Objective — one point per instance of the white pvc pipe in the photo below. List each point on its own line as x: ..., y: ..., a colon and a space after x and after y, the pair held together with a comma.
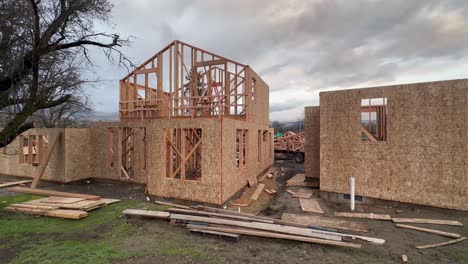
x: 351, y: 181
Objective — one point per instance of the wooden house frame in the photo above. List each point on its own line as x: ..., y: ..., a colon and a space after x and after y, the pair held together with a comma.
x: 193, y: 125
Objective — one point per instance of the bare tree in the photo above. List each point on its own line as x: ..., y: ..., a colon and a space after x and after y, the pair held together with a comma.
x: 41, y: 43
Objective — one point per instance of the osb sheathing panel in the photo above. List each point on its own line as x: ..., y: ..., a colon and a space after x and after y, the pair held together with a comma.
x: 312, y: 141
x: 79, y: 154
x: 234, y: 179
x: 258, y: 109
x: 10, y: 157
x: 423, y: 161
x: 99, y: 132
x: 208, y: 189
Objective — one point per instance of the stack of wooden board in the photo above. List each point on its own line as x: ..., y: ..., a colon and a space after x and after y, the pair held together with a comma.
x: 62, y: 207
x: 223, y: 222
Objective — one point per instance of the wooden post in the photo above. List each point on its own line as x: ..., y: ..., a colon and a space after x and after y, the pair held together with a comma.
x: 183, y: 152
x: 40, y: 171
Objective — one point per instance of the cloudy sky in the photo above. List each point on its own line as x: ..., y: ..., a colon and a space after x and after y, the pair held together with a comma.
x: 300, y: 47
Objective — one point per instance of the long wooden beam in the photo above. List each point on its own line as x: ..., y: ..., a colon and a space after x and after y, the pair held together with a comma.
x: 44, y: 192
x: 40, y: 171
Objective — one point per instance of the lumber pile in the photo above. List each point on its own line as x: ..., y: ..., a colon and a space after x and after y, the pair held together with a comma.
x: 290, y: 141
x: 231, y: 224
x: 61, y: 207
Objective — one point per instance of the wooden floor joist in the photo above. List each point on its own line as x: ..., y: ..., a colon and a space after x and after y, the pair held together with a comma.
x: 432, y: 231
x: 243, y: 231
x: 44, y: 192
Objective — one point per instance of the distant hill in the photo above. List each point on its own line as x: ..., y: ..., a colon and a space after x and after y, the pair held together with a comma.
x: 102, y: 116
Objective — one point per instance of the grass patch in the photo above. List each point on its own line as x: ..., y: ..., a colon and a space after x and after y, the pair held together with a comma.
x: 93, y: 239
x: 65, y: 252
x: 98, y: 238
x: 458, y: 255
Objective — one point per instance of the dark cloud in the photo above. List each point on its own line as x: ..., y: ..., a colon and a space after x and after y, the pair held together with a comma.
x: 302, y: 47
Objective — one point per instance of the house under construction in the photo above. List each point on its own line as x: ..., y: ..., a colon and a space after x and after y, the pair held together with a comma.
x: 193, y: 125
x: 406, y: 143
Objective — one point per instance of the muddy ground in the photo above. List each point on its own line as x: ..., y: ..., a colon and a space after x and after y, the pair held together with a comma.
x: 157, y: 241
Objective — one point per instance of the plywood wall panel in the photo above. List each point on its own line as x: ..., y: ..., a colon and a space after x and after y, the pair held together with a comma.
x: 10, y: 159
x: 424, y: 159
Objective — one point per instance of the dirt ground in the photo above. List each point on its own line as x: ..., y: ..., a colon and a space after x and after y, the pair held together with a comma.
x: 153, y: 241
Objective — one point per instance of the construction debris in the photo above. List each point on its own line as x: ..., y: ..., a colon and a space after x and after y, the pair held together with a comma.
x: 270, y: 191
x: 252, y: 181
x: 290, y: 142
x: 432, y: 231
x: 427, y: 221
x: 322, y: 221
x: 241, y: 202
x: 442, y: 243
x: 404, y: 258
x: 364, y: 215
x: 299, y: 180
x: 223, y: 221
x: 310, y: 205
x: 291, y: 192
x: 304, y: 193
x: 257, y: 192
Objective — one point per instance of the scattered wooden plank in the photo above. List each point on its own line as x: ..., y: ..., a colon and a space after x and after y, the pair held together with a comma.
x: 68, y: 214
x: 442, y: 243
x: 147, y: 213
x: 257, y: 192
x: 268, y: 191
x: 43, y: 164
x: 273, y: 191
x: 203, y: 213
x: 44, y: 192
x: 310, y: 205
x: 261, y: 226
x: 432, y: 231
x: 61, y: 200
x: 172, y: 205
x: 318, y: 220
x: 250, y: 232
x: 86, y: 205
x: 404, y: 258
x: 235, y: 237
x: 224, y: 211
x: 291, y: 192
x: 427, y: 221
x: 304, y: 193
x: 270, y: 176
x: 241, y: 202
x: 34, y: 206
x: 252, y: 181
x: 7, y: 184
x: 300, y: 177
x: 109, y: 200
x: 290, y: 224
x: 364, y: 215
